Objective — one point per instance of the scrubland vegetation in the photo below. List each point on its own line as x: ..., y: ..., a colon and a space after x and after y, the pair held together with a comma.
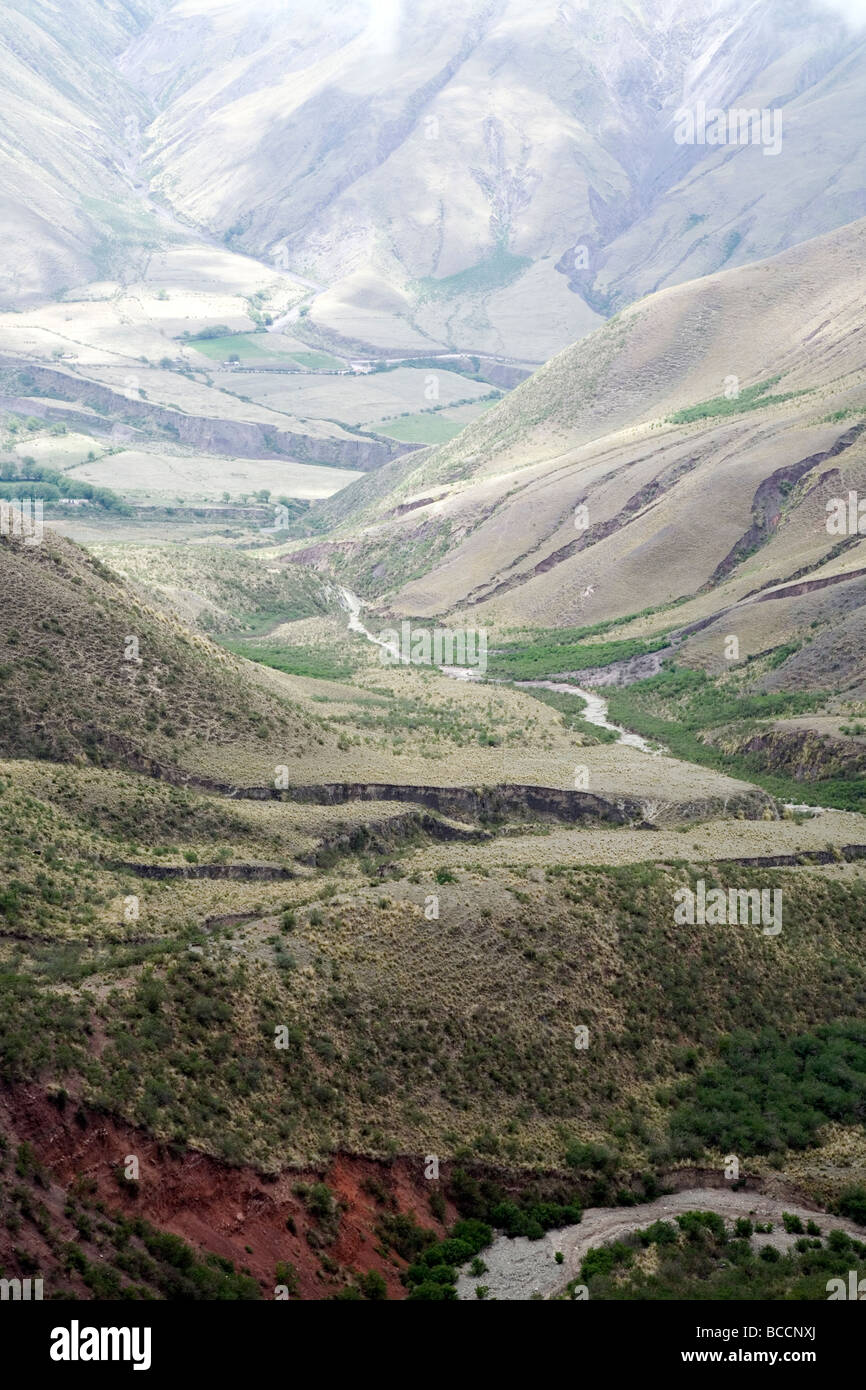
x: 696, y: 1257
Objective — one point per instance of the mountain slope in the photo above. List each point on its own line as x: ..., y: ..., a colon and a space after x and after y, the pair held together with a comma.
x: 68, y: 120
x: 480, y: 175
x: 461, y: 174
x: 683, y: 487
x: 75, y: 683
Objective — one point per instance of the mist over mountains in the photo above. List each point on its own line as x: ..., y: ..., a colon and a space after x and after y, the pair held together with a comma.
x: 476, y: 175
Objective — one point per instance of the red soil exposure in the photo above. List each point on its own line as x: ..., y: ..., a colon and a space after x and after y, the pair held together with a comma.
x: 222, y: 1209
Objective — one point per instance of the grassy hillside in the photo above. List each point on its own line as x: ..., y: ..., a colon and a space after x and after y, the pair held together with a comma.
x: 216, y: 588
x: 455, y: 1037
x: 91, y: 670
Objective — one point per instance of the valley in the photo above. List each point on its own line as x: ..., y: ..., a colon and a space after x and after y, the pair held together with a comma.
x: 338, y: 961
x: 285, y: 873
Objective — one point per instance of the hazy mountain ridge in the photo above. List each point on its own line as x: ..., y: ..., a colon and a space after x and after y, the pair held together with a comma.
x: 481, y: 177
x: 65, y: 109
x: 551, y: 134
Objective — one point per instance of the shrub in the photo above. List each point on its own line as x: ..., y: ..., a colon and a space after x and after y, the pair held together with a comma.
x: 437, y: 1206
x: 852, y: 1203
x: 476, y: 1234
x: 320, y: 1201
x: 287, y: 1274
x: 402, y: 1233
x: 694, y: 1224
x: 604, y: 1259
x: 433, y: 1292
x: 373, y: 1286
x: 659, y: 1233
x: 440, y: 1274
x: 448, y: 1252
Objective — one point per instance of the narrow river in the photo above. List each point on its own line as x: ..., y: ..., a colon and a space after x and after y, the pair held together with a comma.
x: 595, y: 712
x: 518, y: 1268
x: 596, y: 707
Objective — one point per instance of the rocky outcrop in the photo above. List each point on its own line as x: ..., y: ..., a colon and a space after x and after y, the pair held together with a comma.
x: 483, y: 804
x: 804, y: 754
x: 839, y: 854
x: 379, y: 837
x: 767, y: 506
x: 246, y: 873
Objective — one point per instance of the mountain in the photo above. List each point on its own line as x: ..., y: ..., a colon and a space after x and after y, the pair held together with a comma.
x: 67, y: 119
x: 621, y: 476
x: 447, y: 169
x: 445, y: 174
x: 323, y: 975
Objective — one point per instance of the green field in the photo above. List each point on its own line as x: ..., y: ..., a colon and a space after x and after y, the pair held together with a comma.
x: 316, y: 361
x: 419, y: 429
x: 255, y: 347
x: 679, y: 707
x: 248, y: 347
x: 297, y: 660
x: 552, y: 652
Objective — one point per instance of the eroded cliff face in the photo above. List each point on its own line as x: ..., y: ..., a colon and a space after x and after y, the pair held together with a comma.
x: 71, y: 1219
x: 485, y: 806
x: 74, y: 1156
x: 805, y: 754
x: 102, y: 408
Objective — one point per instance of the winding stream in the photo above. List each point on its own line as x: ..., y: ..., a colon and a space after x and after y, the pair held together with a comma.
x: 596, y: 707
x: 352, y: 605
x: 518, y: 1268
x: 595, y: 712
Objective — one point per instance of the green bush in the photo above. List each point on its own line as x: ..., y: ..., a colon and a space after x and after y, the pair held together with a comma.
x: 604, y: 1259
x: 373, y: 1286
x: 767, y: 1094
x: 448, y: 1252
x: 852, y: 1203
x: 433, y: 1292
